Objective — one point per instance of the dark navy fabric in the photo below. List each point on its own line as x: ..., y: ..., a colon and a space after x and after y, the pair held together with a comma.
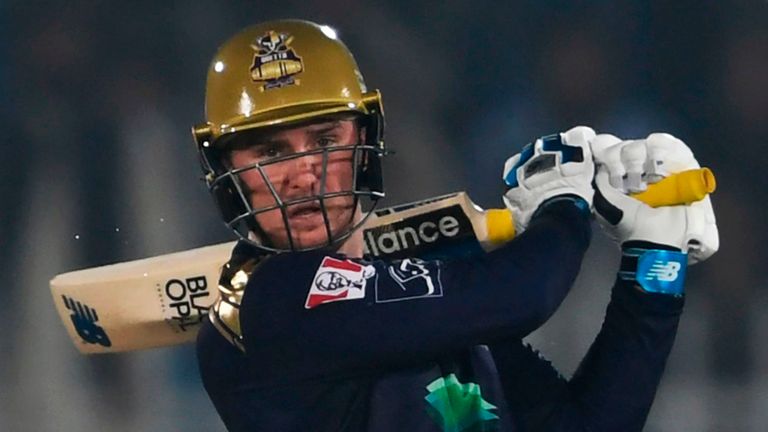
x: 450, y: 358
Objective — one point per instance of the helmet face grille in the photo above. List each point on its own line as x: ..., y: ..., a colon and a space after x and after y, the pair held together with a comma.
x: 339, y: 209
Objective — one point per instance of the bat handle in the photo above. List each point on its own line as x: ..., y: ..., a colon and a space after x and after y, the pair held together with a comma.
x: 682, y: 188
x: 500, y: 226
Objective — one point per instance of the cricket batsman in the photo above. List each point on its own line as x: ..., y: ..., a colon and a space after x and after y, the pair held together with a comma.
x: 310, y: 334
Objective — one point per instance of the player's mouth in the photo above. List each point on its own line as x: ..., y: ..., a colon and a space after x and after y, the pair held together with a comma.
x: 305, y: 215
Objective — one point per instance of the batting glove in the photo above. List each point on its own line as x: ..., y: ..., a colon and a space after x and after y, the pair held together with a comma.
x: 625, y: 167
x: 552, y: 166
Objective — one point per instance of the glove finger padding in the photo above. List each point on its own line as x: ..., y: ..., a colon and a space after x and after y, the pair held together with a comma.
x: 633, y: 156
x: 607, y: 152
x: 703, y: 239
x: 667, y: 155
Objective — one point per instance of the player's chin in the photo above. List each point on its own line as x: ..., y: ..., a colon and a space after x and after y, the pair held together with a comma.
x: 305, y: 238
x: 309, y: 230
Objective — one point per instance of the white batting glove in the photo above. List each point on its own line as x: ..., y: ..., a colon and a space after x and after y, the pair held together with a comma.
x: 625, y: 167
x: 552, y: 166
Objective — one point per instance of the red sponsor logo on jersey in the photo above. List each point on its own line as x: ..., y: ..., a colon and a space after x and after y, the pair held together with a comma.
x: 338, y: 280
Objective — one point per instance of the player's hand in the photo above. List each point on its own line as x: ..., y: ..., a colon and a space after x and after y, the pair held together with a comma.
x: 554, y: 165
x: 625, y: 167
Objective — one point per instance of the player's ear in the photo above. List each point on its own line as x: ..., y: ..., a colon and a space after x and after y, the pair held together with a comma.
x: 361, y: 133
x: 225, y: 159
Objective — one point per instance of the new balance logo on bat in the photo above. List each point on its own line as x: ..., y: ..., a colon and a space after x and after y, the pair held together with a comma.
x: 84, y: 320
x: 408, y: 237
x: 663, y: 271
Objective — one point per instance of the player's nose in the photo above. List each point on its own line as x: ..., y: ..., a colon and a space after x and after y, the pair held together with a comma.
x: 305, y: 173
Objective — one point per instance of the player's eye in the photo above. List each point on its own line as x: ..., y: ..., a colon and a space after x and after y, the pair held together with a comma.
x: 267, y: 151
x: 326, y: 141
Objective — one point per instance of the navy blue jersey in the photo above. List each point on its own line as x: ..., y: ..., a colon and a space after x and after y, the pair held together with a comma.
x: 332, y: 344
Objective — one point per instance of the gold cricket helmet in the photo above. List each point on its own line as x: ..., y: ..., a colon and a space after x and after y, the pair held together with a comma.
x: 280, y: 73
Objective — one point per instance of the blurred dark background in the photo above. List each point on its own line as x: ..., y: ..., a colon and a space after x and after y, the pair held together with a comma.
x: 96, y: 101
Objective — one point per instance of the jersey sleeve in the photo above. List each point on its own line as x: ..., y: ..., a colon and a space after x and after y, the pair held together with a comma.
x: 614, y: 386
x: 310, y: 315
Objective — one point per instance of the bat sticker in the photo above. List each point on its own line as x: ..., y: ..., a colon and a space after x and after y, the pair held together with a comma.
x: 84, y: 319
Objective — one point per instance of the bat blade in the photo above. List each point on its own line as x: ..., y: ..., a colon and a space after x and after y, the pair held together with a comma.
x: 146, y: 303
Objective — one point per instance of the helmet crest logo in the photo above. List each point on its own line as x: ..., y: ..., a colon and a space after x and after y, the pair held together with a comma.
x: 275, y: 62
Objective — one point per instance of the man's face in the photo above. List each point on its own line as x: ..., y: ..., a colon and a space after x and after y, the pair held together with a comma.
x: 299, y: 178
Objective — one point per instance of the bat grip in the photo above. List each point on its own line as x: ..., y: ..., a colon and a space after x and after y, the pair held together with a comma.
x: 682, y: 188
x: 499, y: 225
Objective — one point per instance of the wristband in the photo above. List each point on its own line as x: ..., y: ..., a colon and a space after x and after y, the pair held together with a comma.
x: 657, y: 271
x: 576, y: 200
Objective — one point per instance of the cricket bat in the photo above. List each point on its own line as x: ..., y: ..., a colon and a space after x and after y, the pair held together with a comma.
x: 163, y: 300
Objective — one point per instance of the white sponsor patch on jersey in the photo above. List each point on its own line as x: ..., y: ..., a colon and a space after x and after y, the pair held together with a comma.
x: 337, y: 280
x: 414, y: 279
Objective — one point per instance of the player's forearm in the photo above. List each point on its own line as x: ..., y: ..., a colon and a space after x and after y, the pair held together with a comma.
x: 545, y: 260
x: 615, y: 385
x: 506, y: 293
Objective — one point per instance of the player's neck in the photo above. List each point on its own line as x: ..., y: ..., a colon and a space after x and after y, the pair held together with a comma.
x: 352, y: 247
